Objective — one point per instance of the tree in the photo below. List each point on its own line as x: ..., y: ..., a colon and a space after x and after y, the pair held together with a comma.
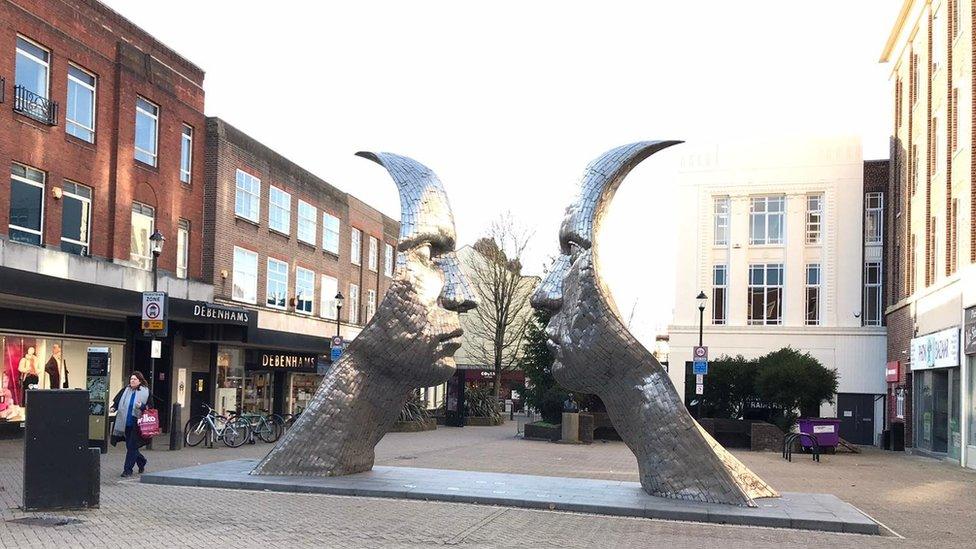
x: 498, y: 323
x: 791, y: 381
x: 541, y: 390
x: 730, y: 388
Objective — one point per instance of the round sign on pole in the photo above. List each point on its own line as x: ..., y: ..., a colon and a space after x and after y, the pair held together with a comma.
x: 152, y: 310
x: 337, y: 341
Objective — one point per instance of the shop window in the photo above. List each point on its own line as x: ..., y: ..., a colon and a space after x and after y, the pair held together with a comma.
x: 143, y: 224
x: 75, y: 218
x: 304, y: 290
x: 26, y: 204
x: 230, y: 379
x: 330, y: 287
x: 303, y: 386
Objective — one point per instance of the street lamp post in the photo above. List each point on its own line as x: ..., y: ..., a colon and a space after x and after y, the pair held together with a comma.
x: 339, y: 299
x: 701, y: 323
x: 156, y: 241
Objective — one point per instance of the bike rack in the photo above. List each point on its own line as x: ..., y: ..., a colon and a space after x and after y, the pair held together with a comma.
x: 790, y: 438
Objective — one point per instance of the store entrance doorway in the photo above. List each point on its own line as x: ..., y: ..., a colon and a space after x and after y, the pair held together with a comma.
x: 200, y: 383
x: 856, y: 414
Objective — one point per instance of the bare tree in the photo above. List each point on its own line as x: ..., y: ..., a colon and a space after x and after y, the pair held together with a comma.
x: 497, y: 325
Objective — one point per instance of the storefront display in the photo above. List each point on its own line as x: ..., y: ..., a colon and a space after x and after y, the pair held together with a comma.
x: 936, y: 390
x: 256, y: 381
x: 230, y: 379
x: 303, y: 386
x: 31, y: 362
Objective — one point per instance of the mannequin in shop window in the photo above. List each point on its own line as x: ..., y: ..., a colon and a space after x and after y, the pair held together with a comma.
x: 8, y: 410
x: 55, y: 365
x: 28, y: 371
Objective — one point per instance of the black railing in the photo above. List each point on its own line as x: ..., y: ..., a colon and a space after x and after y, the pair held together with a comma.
x: 39, y: 108
x: 3, y: 89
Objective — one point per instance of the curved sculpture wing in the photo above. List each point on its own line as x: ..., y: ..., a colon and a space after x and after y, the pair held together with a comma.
x: 596, y: 353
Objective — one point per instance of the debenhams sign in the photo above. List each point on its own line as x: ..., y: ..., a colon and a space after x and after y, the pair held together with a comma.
x: 222, y: 314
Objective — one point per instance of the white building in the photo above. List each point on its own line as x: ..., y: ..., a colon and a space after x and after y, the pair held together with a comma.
x: 776, y: 240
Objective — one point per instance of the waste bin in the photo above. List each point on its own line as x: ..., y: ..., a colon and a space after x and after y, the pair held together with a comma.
x: 825, y: 430
x: 586, y: 428
x: 898, y: 436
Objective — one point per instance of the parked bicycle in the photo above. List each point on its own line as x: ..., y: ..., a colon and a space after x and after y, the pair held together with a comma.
x: 290, y: 419
x: 265, y: 425
x: 234, y: 432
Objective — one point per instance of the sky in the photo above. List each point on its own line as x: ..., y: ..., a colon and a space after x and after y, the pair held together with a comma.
x: 508, y: 101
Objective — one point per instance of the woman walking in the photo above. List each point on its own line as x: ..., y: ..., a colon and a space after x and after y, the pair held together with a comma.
x: 129, y: 403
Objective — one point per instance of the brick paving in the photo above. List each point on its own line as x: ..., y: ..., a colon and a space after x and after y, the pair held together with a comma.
x: 929, y: 502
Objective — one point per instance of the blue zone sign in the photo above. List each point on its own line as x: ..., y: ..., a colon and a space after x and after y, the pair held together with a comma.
x: 701, y: 368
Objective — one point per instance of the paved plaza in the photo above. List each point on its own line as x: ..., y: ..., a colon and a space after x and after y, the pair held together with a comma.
x: 928, y: 502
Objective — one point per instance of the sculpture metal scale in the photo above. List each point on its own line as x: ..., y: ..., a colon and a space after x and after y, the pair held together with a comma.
x: 411, y: 340
x: 595, y: 353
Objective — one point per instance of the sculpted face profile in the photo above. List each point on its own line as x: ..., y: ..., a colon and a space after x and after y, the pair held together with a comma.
x: 595, y: 353
x: 409, y: 343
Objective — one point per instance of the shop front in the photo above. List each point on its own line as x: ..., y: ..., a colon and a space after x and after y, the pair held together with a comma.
x: 936, y: 390
x: 262, y: 380
x: 969, y: 355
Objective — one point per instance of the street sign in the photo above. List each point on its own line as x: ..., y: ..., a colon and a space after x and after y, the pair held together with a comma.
x: 336, y: 353
x: 701, y: 368
x: 700, y: 354
x: 699, y: 379
x: 336, y: 341
x: 699, y: 389
x: 156, y: 350
x: 154, y: 311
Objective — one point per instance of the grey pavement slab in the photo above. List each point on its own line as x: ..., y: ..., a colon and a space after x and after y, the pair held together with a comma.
x: 823, y: 512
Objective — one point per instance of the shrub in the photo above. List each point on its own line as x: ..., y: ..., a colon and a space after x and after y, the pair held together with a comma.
x: 480, y: 402
x: 415, y: 409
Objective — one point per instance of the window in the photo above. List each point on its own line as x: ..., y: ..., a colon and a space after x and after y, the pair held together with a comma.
x: 279, y: 211
x: 330, y: 233
x: 872, y: 293
x: 954, y: 124
x: 307, y: 217
x: 304, y: 290
x: 79, y: 119
x: 374, y: 252
x: 353, y: 304
x: 147, y: 131
x: 766, y: 294
x: 813, y: 295
x: 277, y: 291
x: 953, y: 236
x: 930, y: 252
x: 143, y: 225
x: 719, y: 293
x: 245, y: 281
x: 388, y: 260
x: 956, y: 18
x: 182, y: 248
x: 873, y: 218
x: 814, y: 218
x: 31, y: 81
x: 26, y: 204
x: 186, y: 154
x: 75, y: 218
x: 914, y: 77
x: 915, y: 171
x: 939, y: 32
x: 898, y: 94
x: 766, y: 219
x: 912, y: 263
x: 370, y: 304
x: 330, y: 287
x: 721, y: 214
x: 356, y: 249
x: 247, y: 203
x: 941, y: 138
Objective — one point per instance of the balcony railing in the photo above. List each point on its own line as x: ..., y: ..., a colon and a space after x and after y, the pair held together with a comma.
x: 39, y: 108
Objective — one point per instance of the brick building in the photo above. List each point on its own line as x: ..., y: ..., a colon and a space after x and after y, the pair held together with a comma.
x: 101, y: 130
x: 283, y: 243
x: 932, y: 281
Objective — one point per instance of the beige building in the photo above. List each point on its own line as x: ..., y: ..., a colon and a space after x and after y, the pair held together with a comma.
x: 932, y: 280
x: 777, y: 241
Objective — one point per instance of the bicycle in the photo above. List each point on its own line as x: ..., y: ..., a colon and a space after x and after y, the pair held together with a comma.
x: 211, y: 426
x: 267, y: 426
x: 290, y: 419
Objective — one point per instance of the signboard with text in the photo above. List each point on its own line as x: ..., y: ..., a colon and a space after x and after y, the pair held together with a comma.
x: 893, y: 372
x: 153, y: 311
x: 937, y: 350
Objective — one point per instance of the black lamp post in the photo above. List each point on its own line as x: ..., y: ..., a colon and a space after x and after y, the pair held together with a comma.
x: 701, y: 315
x: 339, y: 299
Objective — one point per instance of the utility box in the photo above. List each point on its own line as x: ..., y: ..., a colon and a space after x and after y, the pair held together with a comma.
x: 60, y: 472
x: 586, y: 428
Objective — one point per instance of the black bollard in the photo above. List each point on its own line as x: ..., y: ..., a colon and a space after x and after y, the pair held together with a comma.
x: 175, y: 432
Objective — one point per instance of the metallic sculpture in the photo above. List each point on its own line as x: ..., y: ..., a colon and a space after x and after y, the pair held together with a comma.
x: 409, y: 342
x: 595, y: 353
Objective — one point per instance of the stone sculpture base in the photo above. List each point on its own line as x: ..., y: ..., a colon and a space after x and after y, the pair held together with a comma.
x: 605, y: 497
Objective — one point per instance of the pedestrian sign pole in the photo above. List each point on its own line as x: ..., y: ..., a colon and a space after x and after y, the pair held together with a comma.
x: 700, y: 366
